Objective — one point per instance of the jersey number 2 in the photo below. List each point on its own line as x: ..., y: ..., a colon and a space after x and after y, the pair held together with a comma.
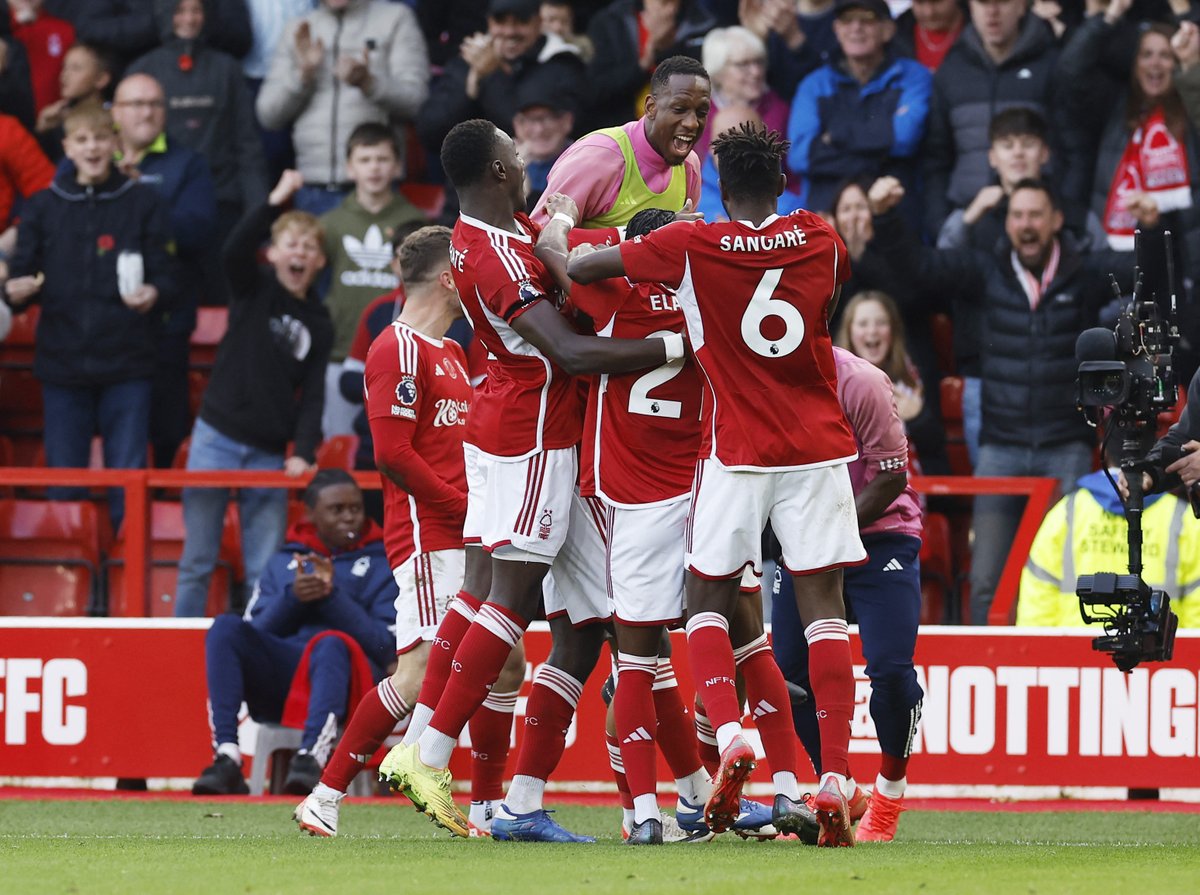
x: 639, y: 393
x: 762, y: 306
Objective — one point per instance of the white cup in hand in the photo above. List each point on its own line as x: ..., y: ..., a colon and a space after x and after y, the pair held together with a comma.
x: 131, y: 273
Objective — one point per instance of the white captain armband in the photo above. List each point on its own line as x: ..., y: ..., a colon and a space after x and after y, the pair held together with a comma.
x: 674, y: 346
x: 892, y: 464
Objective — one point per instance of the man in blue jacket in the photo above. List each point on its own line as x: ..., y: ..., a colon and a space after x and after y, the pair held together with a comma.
x: 862, y: 115
x: 332, y: 574
x: 181, y: 177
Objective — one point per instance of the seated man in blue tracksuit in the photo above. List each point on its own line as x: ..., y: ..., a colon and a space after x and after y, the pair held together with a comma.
x: 884, y: 594
x: 331, y: 574
x: 862, y: 115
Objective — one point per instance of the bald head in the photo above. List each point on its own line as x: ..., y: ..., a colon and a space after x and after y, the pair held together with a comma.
x: 732, y: 116
x: 139, y: 111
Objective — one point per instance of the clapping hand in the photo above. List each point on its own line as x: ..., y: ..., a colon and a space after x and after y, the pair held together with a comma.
x: 314, y: 577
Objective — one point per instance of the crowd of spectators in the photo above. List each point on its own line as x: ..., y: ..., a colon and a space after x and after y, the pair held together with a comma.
x: 984, y: 159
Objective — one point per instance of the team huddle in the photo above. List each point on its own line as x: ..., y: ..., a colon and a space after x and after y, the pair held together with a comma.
x: 619, y: 476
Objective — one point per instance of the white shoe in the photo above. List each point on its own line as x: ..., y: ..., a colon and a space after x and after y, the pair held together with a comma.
x: 318, y: 815
x: 672, y: 832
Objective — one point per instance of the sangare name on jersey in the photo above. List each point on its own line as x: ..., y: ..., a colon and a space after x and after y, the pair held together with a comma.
x: 756, y: 302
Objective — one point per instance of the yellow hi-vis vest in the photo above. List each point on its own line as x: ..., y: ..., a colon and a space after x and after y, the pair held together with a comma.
x: 1078, y: 537
x: 634, y: 195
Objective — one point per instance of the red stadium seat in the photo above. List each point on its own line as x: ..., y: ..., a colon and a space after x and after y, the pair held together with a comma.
x: 49, y: 556
x: 428, y: 197
x: 167, y: 534
x: 937, y: 567
x: 943, y: 342
x: 337, y: 452
x: 17, y: 349
x: 211, y: 324
x: 950, y: 391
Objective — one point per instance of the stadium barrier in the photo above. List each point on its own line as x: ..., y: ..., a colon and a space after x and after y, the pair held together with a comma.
x: 139, y: 485
x: 1004, y: 707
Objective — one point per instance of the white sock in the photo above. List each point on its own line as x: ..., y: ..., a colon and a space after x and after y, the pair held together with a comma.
x: 893, y: 789
x: 851, y: 787
x: 726, y: 733
x: 627, y: 818
x: 841, y: 782
x: 435, y: 748
x: 525, y: 794
x: 786, y: 785
x: 417, y: 722
x: 695, y: 788
x: 481, y: 813
x: 230, y: 750
x: 321, y: 791
x: 645, y: 807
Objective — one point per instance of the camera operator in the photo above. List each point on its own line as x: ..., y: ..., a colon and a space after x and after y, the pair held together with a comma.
x: 1175, y: 458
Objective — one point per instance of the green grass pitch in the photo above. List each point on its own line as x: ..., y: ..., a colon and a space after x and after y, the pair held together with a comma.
x: 212, y: 847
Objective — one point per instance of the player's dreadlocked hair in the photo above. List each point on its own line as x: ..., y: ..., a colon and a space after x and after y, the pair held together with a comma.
x: 647, y: 221
x: 468, y: 150
x: 750, y: 160
x: 675, y: 65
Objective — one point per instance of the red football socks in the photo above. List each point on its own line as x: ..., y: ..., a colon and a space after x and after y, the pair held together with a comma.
x: 829, y: 671
x: 491, y: 734
x: 676, y: 735
x: 633, y: 708
x: 711, y: 657
x: 450, y: 633
x: 375, y: 717
x: 477, y: 664
x: 548, y: 715
x: 770, y: 705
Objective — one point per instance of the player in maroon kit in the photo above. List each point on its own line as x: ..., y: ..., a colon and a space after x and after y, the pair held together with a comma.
x: 522, y: 468
x: 756, y: 292
x: 418, y: 398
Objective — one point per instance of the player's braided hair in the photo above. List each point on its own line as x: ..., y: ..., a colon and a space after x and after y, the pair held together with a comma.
x: 675, y: 65
x: 324, y: 479
x: 468, y: 150
x: 750, y: 160
x: 647, y: 221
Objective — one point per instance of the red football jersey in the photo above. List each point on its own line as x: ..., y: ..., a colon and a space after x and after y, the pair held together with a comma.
x: 756, y: 302
x: 641, y: 432
x: 423, y: 381
x: 527, y: 403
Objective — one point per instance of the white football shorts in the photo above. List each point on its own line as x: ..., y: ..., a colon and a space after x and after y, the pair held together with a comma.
x: 577, y: 583
x: 427, y: 582
x: 519, y: 509
x: 811, y: 511
x: 645, y: 562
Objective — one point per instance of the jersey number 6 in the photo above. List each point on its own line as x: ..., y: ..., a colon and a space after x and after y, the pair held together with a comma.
x: 762, y: 306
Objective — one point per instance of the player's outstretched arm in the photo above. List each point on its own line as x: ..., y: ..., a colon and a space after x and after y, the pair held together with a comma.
x: 587, y: 264
x: 547, y: 330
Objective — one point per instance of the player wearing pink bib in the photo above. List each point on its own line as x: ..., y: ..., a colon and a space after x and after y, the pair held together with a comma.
x: 521, y: 467
x: 613, y: 173
x: 756, y: 292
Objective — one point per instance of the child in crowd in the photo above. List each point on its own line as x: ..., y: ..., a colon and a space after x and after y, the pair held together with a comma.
x: 267, y: 389
x: 94, y: 251
x: 871, y: 328
x: 87, y: 72
x: 359, y: 235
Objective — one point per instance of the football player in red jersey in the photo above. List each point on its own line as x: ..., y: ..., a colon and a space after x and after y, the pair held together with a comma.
x: 520, y: 452
x: 756, y: 292
x: 418, y: 396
